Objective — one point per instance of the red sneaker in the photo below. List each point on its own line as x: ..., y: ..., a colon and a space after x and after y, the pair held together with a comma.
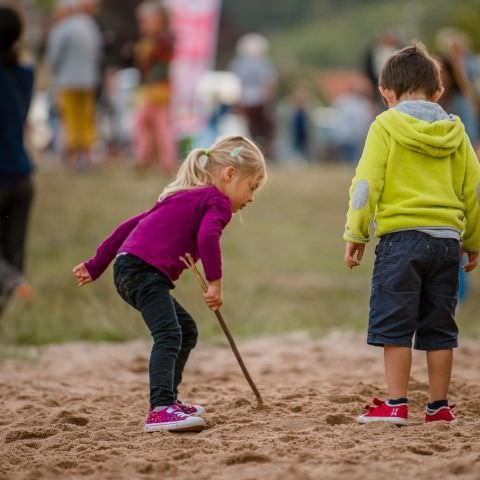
x: 442, y: 414
x: 381, y: 411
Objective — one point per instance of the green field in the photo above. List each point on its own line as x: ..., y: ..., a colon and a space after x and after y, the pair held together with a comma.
x: 283, y: 265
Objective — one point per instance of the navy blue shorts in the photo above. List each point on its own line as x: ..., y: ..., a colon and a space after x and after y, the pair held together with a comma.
x: 414, y: 291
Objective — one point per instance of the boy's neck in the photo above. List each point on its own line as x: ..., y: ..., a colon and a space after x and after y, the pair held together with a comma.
x: 411, y: 97
x: 414, y: 96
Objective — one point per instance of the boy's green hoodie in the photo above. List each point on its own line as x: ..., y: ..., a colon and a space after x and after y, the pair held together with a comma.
x: 416, y: 174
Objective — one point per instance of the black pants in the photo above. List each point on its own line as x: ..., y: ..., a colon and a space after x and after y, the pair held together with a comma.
x: 173, y: 330
x: 15, y: 203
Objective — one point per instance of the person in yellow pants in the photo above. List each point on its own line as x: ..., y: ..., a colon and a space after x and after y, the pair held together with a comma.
x: 77, y: 109
x: 73, y: 55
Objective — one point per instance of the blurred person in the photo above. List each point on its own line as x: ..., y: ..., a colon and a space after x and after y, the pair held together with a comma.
x: 258, y: 78
x: 375, y: 57
x: 118, y: 110
x: 460, y: 97
x: 218, y: 93
x: 154, y: 136
x: 193, y: 210
x: 419, y: 176
x: 295, y: 136
x: 61, y: 11
x: 16, y: 186
x: 73, y: 53
x: 353, y: 116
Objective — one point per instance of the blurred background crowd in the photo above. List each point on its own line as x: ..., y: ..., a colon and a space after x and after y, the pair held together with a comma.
x: 146, y: 80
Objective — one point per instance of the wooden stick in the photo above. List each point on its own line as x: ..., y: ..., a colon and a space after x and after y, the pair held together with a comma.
x: 188, y: 261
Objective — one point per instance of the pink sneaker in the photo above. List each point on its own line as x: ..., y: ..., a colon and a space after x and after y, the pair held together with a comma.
x: 172, y: 418
x: 383, y: 412
x: 194, y: 410
x: 442, y: 414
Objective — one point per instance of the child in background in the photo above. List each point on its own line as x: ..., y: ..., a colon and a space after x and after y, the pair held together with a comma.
x: 16, y: 188
x: 154, y: 136
x: 420, y: 177
x: 188, y: 218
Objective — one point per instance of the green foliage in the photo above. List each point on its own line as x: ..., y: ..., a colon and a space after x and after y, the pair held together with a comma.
x: 330, y: 33
x: 45, y: 5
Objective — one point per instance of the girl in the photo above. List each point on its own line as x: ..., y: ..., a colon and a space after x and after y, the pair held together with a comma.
x: 188, y: 218
x: 153, y: 54
x: 16, y: 187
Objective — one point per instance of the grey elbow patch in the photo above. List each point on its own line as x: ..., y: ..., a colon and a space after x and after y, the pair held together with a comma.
x: 360, y: 194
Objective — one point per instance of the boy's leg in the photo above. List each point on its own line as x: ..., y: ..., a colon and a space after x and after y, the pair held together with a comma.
x: 398, y: 361
x: 189, y: 340
x: 439, y: 373
x: 437, y: 330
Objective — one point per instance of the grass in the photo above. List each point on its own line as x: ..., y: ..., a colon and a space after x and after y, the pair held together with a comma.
x: 283, y: 266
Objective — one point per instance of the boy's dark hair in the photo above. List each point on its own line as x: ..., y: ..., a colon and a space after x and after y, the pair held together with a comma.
x: 411, y: 69
x: 10, y: 31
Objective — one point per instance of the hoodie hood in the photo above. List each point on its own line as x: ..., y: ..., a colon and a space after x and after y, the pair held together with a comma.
x: 423, y: 127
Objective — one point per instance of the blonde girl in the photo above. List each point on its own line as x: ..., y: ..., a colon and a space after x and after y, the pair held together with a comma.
x: 189, y: 216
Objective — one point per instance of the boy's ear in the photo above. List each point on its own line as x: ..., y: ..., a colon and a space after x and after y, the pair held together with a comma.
x: 438, y: 94
x: 388, y: 95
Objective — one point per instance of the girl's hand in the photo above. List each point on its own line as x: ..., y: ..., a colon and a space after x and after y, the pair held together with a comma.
x: 213, y: 295
x: 82, y: 275
x: 350, y: 250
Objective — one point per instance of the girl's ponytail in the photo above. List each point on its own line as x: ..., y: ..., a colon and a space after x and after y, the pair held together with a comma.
x: 192, y: 173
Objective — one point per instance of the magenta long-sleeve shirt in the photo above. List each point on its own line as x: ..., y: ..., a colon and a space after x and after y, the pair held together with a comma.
x: 190, y: 221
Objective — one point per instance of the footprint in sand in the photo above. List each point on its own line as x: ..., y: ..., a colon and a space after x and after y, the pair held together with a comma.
x: 32, y: 434
x: 71, y: 418
x: 296, y: 408
x: 420, y: 449
x: 338, y: 419
x: 247, y: 458
x: 66, y: 464
x: 345, y: 398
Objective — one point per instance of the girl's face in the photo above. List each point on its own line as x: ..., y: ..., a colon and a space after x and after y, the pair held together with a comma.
x: 238, y: 188
x: 150, y: 24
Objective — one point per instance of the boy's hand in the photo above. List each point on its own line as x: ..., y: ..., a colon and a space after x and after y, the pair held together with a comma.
x: 472, y: 261
x: 82, y: 275
x: 350, y: 250
x: 213, y: 296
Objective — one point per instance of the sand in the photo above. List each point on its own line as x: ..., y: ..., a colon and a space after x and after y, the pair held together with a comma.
x: 77, y: 410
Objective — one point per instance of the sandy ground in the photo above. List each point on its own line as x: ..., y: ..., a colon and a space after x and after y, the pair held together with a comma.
x: 77, y: 411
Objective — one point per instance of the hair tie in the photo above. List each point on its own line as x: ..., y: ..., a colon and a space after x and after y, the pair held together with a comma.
x: 206, y: 152
x: 203, y: 160
x: 236, y: 151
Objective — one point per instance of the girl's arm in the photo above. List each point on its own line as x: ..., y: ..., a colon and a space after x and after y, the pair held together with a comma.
x: 109, y: 247
x: 217, y: 216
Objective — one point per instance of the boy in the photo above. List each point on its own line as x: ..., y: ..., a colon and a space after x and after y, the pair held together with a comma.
x: 419, y: 176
